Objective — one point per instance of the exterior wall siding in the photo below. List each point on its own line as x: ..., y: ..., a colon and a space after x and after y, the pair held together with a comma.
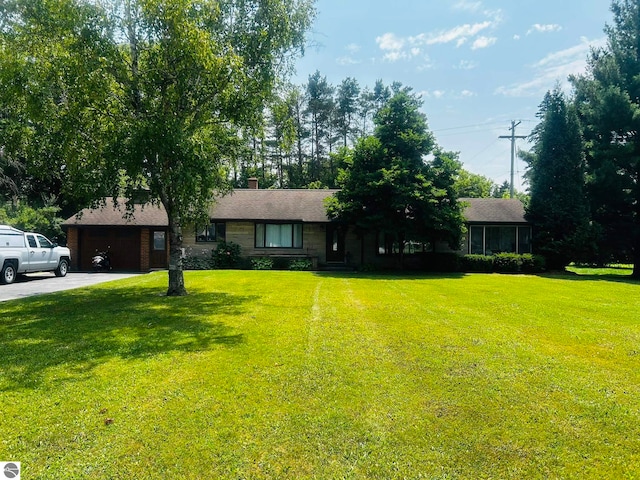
x: 243, y: 234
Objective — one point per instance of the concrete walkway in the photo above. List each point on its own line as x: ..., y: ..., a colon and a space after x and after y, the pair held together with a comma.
x: 39, y: 283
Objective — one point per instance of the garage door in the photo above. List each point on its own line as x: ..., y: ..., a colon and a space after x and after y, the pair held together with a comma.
x: 123, y: 245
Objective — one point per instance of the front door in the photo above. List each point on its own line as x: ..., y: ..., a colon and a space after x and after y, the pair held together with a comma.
x: 158, y: 251
x: 335, y: 243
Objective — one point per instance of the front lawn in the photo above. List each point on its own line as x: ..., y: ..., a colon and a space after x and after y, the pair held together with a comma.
x: 302, y: 375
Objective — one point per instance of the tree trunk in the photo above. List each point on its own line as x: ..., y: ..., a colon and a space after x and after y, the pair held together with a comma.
x: 636, y: 258
x: 176, y: 275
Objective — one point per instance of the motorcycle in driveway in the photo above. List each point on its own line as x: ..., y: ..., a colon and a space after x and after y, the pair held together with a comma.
x: 101, y: 261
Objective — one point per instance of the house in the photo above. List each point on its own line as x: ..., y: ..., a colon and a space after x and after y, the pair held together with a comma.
x: 287, y: 224
x: 495, y: 225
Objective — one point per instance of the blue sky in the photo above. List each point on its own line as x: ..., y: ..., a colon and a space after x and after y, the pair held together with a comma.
x: 478, y: 64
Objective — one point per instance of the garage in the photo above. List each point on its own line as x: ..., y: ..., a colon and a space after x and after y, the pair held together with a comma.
x: 136, y: 241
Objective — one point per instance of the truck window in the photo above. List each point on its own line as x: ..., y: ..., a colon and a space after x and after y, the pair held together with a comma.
x: 44, y: 242
x: 32, y: 241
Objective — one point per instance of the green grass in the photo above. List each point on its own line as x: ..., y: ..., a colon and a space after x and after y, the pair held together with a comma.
x: 300, y: 375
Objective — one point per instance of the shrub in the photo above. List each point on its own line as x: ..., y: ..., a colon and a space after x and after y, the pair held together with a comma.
x: 533, y: 263
x: 507, y: 262
x: 262, y: 263
x: 368, y: 268
x: 477, y: 263
x: 226, y: 255
x: 300, y: 264
x: 197, y: 262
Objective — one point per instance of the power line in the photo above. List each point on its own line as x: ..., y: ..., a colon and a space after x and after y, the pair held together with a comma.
x: 467, y: 126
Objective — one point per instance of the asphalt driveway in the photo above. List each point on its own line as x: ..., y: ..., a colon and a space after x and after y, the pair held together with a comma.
x: 39, y: 283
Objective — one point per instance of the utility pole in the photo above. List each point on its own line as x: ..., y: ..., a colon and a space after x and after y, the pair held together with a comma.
x: 513, y: 137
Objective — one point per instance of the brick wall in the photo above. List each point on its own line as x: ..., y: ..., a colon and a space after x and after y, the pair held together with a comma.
x: 72, y: 244
x: 145, y: 244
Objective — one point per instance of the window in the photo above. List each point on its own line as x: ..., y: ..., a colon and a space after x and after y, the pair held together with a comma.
x: 388, y: 245
x: 214, y: 232
x: 485, y: 240
x: 476, y: 238
x: 32, y: 241
x: 278, y: 235
x: 159, y: 241
x: 524, y: 239
x: 44, y: 242
x: 500, y: 239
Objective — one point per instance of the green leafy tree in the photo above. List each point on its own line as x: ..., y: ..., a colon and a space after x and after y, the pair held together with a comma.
x: 387, y: 186
x: 149, y: 94
x: 608, y: 99
x: 473, y: 185
x: 556, y: 176
x: 45, y: 220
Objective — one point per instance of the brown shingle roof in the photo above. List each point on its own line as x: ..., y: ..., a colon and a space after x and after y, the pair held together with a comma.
x: 147, y: 216
x: 256, y: 204
x: 281, y: 205
x: 494, y: 210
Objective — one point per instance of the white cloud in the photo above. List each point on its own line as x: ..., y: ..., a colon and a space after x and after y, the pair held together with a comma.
x: 397, y: 48
x: 483, y: 42
x: 538, y: 28
x: 516, y: 37
x: 389, y: 41
x: 347, y: 61
x: 353, y: 48
x: 553, y: 68
x: 439, y: 94
x: 459, y: 33
x: 468, y: 6
x: 466, y: 65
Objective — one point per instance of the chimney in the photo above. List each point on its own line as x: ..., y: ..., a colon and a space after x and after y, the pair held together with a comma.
x: 253, y: 183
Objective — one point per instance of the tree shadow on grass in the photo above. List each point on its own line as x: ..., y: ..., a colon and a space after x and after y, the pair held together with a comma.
x: 601, y: 277
x: 84, y: 328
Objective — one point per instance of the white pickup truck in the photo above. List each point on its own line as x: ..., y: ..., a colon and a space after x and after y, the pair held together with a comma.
x: 24, y: 252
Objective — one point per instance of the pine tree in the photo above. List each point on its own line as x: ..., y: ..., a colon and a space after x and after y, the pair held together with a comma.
x: 608, y: 98
x: 556, y: 177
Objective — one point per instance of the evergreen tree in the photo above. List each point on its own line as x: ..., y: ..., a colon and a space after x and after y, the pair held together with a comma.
x: 346, y: 109
x: 608, y: 99
x: 556, y: 175
x: 320, y: 107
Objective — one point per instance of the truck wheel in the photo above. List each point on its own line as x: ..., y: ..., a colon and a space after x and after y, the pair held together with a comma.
x: 8, y: 274
x: 63, y: 268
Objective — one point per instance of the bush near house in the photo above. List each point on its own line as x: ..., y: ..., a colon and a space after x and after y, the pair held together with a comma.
x: 300, y: 264
x: 226, y: 255
x: 477, y: 263
x: 503, y: 263
x: 262, y: 263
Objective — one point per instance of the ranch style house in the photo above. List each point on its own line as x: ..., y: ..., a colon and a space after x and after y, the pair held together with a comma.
x: 276, y: 223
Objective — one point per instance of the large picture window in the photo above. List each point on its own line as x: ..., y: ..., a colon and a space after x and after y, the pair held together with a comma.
x: 214, y: 232
x: 489, y: 240
x: 278, y: 235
